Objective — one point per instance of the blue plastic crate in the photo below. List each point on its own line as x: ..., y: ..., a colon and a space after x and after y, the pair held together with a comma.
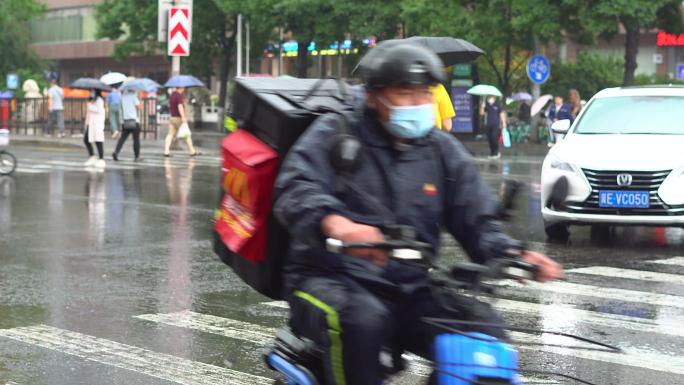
x: 473, y: 356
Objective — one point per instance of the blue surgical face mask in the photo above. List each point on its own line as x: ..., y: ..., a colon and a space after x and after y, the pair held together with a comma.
x: 410, y: 122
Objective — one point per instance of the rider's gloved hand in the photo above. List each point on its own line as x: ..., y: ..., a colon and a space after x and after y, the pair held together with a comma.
x: 549, y: 270
x: 340, y: 228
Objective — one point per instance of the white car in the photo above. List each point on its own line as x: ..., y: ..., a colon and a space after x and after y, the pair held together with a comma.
x: 623, y: 158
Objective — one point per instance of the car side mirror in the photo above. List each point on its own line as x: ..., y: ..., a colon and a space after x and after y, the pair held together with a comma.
x: 561, y: 126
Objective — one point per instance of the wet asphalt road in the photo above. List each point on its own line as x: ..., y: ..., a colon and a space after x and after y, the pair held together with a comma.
x: 109, y: 278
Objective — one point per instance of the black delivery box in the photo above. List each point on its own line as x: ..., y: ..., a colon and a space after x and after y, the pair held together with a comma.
x: 277, y: 111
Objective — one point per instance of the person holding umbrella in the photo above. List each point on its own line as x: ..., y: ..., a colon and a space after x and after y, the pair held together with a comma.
x: 95, y: 119
x: 131, y: 123
x: 495, y: 120
x: 178, y: 112
x: 95, y: 125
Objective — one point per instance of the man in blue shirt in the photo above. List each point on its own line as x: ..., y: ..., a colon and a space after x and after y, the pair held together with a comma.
x: 113, y: 102
x: 560, y: 110
x: 131, y: 124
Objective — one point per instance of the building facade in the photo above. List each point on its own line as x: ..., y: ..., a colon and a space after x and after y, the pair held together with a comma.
x: 66, y: 36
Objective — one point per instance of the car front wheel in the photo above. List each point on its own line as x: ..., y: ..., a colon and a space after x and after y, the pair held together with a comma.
x: 558, y: 231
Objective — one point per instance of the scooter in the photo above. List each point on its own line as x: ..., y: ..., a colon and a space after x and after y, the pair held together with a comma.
x: 461, y: 357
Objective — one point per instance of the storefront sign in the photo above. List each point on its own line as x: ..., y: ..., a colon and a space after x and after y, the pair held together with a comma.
x: 462, y: 70
x: 665, y: 39
x: 462, y: 100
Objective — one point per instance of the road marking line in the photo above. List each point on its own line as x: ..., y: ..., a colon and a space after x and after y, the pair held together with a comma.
x: 615, y: 272
x: 641, y: 297
x: 245, y: 331
x: 278, y: 304
x: 631, y: 357
x: 254, y: 333
x: 226, y: 327
x: 676, y: 261
x: 29, y: 170
x: 158, y: 365
x: 592, y: 318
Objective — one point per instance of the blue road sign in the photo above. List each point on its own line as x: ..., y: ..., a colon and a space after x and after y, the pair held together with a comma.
x: 538, y: 69
x: 12, y: 81
x: 680, y: 71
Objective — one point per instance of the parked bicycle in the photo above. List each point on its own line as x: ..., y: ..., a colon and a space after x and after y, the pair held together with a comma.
x: 8, y: 162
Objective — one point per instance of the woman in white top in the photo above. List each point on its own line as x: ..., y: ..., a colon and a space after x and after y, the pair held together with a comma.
x: 95, y: 125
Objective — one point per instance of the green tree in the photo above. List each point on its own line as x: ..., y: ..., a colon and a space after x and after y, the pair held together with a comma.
x: 505, y: 29
x: 15, y: 53
x: 134, y: 24
x: 603, y: 18
x: 589, y: 74
x: 321, y: 21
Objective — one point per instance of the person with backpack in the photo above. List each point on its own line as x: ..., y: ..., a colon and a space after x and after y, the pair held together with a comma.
x: 406, y: 173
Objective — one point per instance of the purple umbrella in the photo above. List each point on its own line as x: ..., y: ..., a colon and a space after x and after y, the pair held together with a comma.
x: 520, y: 96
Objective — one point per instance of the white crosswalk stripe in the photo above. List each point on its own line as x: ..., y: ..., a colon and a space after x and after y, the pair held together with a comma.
x: 600, y: 292
x: 215, y: 325
x: 641, y: 275
x: 36, y: 166
x: 258, y: 334
x: 592, y: 318
x: 631, y: 357
x: 675, y: 261
x: 163, y: 366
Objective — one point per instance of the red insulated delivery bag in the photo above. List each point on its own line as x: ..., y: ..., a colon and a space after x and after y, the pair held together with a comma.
x: 273, y: 114
x: 249, y: 172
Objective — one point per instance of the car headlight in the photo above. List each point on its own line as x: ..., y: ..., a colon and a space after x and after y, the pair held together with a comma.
x: 557, y: 164
x: 672, y: 189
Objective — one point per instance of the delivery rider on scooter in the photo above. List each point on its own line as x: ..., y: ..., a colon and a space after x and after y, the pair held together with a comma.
x: 355, y: 303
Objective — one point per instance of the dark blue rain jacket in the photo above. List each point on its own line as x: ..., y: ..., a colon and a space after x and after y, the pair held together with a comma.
x: 430, y: 184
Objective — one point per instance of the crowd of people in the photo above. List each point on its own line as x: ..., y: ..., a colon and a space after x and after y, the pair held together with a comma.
x: 123, y: 109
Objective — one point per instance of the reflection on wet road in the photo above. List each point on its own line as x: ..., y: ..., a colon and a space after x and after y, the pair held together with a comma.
x: 109, y: 278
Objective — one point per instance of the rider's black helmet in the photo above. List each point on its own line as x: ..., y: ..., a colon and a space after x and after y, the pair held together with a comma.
x: 402, y: 63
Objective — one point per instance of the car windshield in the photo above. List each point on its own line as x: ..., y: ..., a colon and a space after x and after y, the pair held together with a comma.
x: 658, y: 115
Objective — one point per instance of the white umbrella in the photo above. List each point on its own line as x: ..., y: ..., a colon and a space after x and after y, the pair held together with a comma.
x: 113, y: 78
x: 484, y: 90
x: 539, y: 104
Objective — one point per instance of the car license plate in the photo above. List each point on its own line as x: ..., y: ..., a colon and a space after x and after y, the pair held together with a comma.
x: 624, y: 199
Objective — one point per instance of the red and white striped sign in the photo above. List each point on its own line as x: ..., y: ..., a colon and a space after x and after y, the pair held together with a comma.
x: 179, y: 31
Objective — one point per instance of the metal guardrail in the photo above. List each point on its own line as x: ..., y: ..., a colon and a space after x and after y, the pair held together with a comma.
x: 29, y: 116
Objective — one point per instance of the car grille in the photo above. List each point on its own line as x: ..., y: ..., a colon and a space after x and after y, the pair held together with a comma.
x: 641, y: 181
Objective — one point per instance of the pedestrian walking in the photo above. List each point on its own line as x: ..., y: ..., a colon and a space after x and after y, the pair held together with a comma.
x: 178, y: 119
x: 495, y: 120
x: 113, y: 102
x: 130, y: 105
x: 575, y: 103
x: 444, y: 108
x: 559, y: 110
x: 95, y: 124
x: 55, y: 108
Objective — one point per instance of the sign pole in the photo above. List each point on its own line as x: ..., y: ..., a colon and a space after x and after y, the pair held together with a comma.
x: 239, y: 45
x: 536, y: 88
x: 175, y: 65
x: 247, y: 49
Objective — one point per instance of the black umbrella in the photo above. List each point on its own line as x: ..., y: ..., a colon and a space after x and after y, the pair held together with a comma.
x: 449, y: 49
x: 90, y: 84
